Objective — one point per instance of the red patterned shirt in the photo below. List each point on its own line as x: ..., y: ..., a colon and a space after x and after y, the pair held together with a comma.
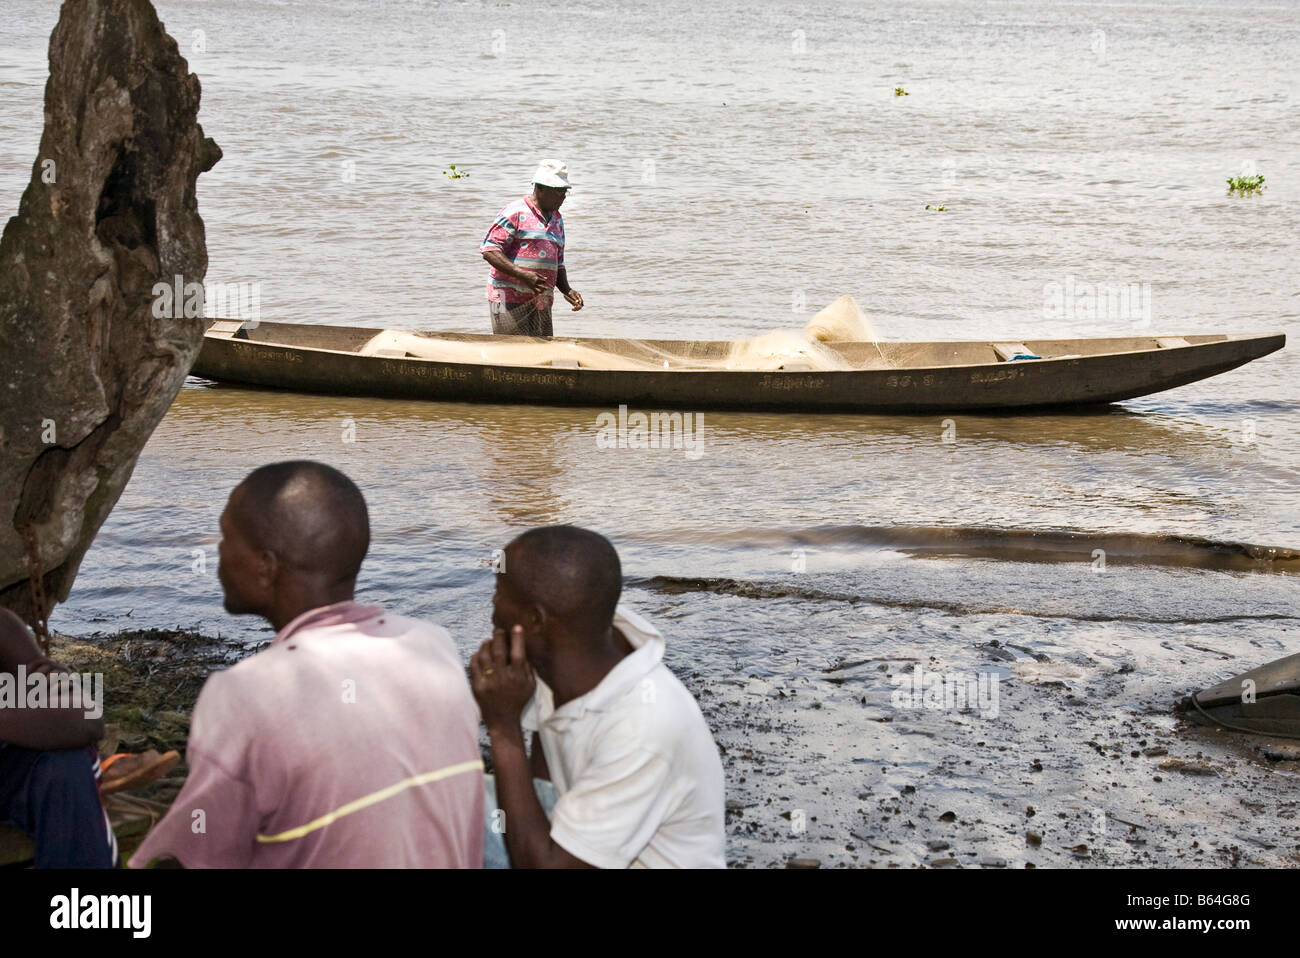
x: 530, y: 241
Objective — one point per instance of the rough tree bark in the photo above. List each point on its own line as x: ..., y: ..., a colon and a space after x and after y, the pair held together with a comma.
x: 87, y: 369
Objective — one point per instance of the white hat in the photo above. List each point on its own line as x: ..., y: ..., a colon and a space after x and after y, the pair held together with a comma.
x: 552, y: 173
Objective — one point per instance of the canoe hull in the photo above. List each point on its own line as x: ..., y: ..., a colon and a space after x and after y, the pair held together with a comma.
x: 296, y: 357
x: 1265, y: 701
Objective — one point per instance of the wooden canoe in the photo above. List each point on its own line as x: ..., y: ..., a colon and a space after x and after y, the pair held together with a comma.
x: 895, y: 376
x: 1265, y: 701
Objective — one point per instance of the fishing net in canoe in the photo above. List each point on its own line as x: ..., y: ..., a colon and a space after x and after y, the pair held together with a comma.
x: 810, y: 349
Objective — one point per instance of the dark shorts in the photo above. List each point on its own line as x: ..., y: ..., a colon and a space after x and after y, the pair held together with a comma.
x: 519, y: 319
x: 53, y: 796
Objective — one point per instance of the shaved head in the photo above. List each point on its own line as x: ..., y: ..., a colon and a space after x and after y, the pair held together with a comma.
x: 309, y: 514
x: 291, y: 529
x: 293, y: 537
x: 574, y: 573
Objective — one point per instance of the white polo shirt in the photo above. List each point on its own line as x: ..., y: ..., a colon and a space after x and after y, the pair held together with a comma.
x: 634, y: 765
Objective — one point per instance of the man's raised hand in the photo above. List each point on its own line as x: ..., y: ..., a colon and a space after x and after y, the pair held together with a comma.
x: 501, y: 678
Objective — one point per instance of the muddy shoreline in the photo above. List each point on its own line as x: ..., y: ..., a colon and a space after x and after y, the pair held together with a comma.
x: 1081, y: 767
x: 151, y: 680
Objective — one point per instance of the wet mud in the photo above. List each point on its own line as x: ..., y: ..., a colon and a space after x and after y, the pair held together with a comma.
x: 1079, y: 761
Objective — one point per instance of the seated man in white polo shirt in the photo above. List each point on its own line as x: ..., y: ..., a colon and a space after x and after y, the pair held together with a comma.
x: 637, y: 775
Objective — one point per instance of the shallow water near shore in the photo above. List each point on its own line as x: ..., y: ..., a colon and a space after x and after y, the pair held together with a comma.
x: 795, y: 610
x: 811, y: 508
x: 738, y: 168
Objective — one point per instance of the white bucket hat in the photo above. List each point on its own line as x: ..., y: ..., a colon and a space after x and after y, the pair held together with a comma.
x: 552, y: 173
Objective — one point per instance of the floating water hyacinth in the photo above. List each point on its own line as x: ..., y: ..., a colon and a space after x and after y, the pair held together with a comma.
x: 1246, y: 185
x: 454, y: 174
x: 937, y: 209
x: 899, y: 91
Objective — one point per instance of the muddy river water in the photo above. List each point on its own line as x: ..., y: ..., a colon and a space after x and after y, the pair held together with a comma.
x: 737, y: 167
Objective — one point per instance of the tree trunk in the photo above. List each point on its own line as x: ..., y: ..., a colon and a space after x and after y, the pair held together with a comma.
x: 89, y: 362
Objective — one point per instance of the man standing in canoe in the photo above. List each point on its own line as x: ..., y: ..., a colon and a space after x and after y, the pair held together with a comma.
x: 525, y: 248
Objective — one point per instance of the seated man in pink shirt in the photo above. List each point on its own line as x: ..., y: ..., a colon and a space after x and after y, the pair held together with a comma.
x: 352, y: 741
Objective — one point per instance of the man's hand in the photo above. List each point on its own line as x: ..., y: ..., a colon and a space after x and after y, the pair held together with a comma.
x: 574, y: 299
x: 502, y: 679
x: 503, y: 683
x: 534, y: 281
x: 499, y: 261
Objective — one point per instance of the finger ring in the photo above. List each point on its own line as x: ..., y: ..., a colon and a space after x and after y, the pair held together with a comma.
x: 488, y: 671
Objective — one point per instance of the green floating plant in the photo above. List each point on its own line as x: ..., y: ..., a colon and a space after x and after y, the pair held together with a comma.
x: 1246, y: 185
x: 937, y: 209
x: 899, y: 91
x: 454, y: 174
